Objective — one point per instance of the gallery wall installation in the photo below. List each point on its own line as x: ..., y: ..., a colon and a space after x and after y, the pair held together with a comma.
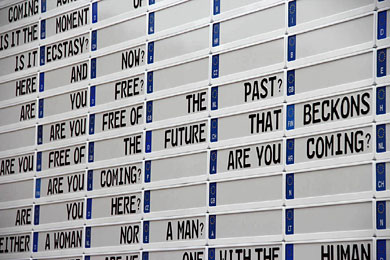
x: 195, y: 129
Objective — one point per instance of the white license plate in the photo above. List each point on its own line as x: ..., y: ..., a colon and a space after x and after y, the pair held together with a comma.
x: 120, y: 32
x: 246, y: 157
x: 271, y: 19
x: 19, y: 37
x: 259, y: 123
x: 178, y: 75
x: 62, y: 157
x: 248, y: 191
x: 63, y: 130
x: 110, y: 8
x: 17, y: 139
x: 176, y: 198
x: 260, y: 89
x: 58, y: 240
x: 330, y: 74
x: 345, y: 143
x: 18, y: 113
x: 23, y: 163
x: 185, y: 166
x: 176, y: 136
x: 115, y: 176
x: 64, y: 76
x: 174, y: 230
x: 65, y: 22
x: 181, y: 44
x: 115, y: 235
x: 125, y: 146
x: 64, y: 49
x: 67, y: 102
x: 330, y: 218
x: 60, y: 185
x: 60, y: 212
x: 248, y: 224
x: 331, y: 109
x: 177, y: 106
x: 20, y: 87
x: 16, y: 217
x: 179, y: 14
x: 327, y: 182
x: 198, y: 254
x: 11, y: 13
x: 125, y: 60
x: 25, y: 190
x: 19, y: 62
x: 114, y: 206
x: 126, y: 88
x: 125, y: 117
x: 363, y: 249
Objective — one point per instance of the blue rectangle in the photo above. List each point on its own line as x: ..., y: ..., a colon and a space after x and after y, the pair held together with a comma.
x: 151, y: 23
x: 35, y: 242
x: 289, y: 221
x: 94, y: 40
x: 289, y: 252
x: 211, y: 253
x: 214, y: 130
x: 42, y: 56
x: 215, y: 66
x: 213, y: 162
x: 290, y: 186
x: 43, y: 6
x: 147, y: 201
x: 90, y: 180
x: 212, y: 226
x: 40, y: 108
x: 91, y: 151
x: 150, y: 52
x: 290, y: 151
x: 382, y: 23
x: 290, y: 82
x: 39, y: 161
x: 217, y: 7
x: 94, y: 12
x: 41, y: 81
x: 39, y: 134
x: 291, y: 48
x: 87, y: 257
x: 213, y: 194
x: 149, y: 111
x: 381, y: 63
x: 380, y: 176
x: 88, y: 237
x: 146, y: 232
x: 292, y: 13
x: 148, y: 171
x: 89, y: 208
x: 93, y: 68
x: 214, y: 98
x: 381, y: 100
x: 43, y: 29
x: 381, y: 138
x: 145, y: 255
x: 381, y: 215
x: 381, y: 249
x: 150, y: 82
x: 92, y: 97
x: 151, y: 2
x: 290, y: 118
x: 216, y: 28
x: 36, y: 214
x: 148, y: 142
x: 92, y: 124
x: 38, y: 188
